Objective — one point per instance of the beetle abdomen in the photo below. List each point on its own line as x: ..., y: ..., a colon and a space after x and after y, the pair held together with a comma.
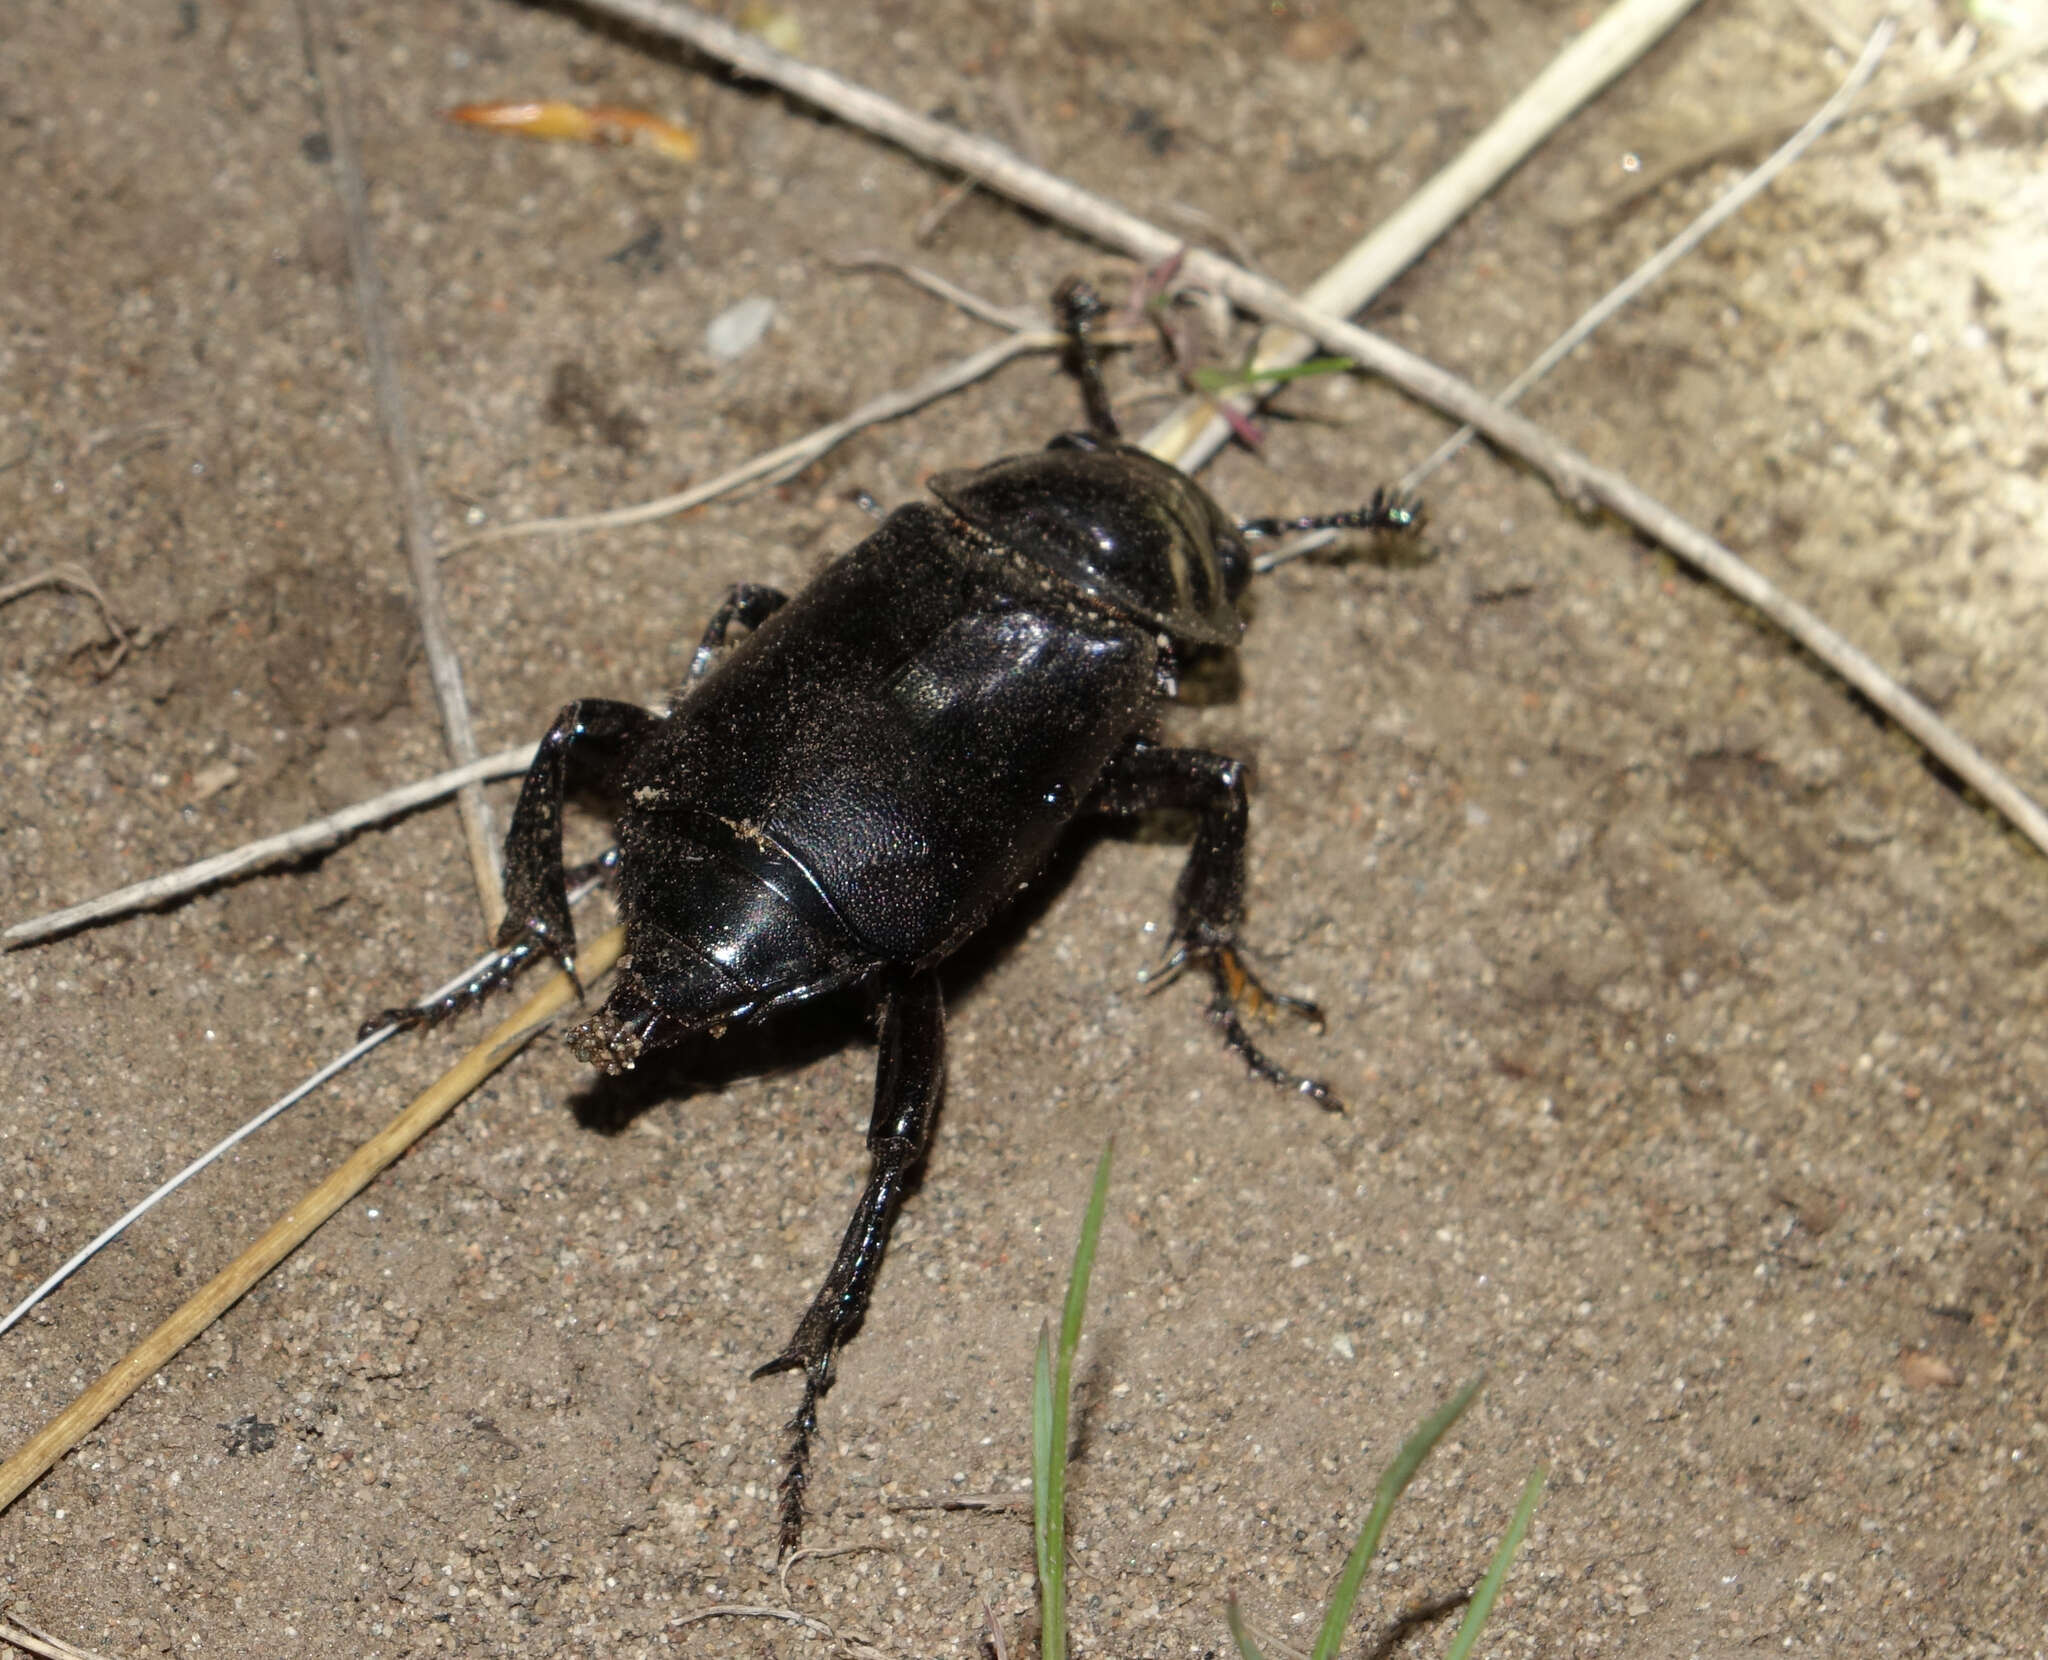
x: 945, y: 784
x: 722, y: 920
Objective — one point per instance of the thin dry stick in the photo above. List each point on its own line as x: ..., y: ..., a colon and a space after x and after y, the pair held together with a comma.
x: 822, y: 1552
x: 1571, y: 474
x: 241, y: 1133
x: 792, y: 457
x: 847, y: 1641
x: 1653, y: 268
x: 316, y: 837
x: 14, y: 1629
x: 1001, y: 316
x: 444, y: 667
x: 749, y: 1611
x: 996, y: 1640
x: 1578, y: 74
x: 63, y: 1432
x: 1776, y: 123
x: 78, y: 581
x: 964, y: 1501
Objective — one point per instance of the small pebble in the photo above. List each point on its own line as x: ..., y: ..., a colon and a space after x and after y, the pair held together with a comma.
x: 737, y: 330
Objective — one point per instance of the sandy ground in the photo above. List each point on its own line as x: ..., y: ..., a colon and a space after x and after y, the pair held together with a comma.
x: 1691, y: 1023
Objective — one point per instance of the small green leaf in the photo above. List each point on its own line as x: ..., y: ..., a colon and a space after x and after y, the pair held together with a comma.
x: 1392, y: 1485
x: 1051, y: 1391
x: 1216, y: 381
x: 1496, y: 1576
x: 1246, y: 1648
x: 1048, y: 1500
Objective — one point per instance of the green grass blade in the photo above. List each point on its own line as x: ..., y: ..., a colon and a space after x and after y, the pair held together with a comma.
x: 1392, y: 1485
x: 1051, y: 1391
x: 1246, y: 1648
x: 1048, y: 1502
x: 1496, y: 1576
x: 1077, y: 1284
x: 1213, y: 381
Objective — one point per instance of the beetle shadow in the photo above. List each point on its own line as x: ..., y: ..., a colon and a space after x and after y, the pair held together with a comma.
x: 1005, y: 931
x: 787, y: 1041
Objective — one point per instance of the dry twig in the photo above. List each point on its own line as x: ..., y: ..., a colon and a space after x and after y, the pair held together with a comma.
x: 444, y: 667
x: 1015, y: 318
x: 206, y: 1305
x: 751, y: 1611
x: 316, y: 837
x: 78, y: 581
x: 965, y: 1501
x: 792, y: 457
x: 16, y: 1630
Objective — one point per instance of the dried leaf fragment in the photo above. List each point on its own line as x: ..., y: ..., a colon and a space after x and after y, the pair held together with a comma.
x: 1316, y: 38
x: 774, y: 24
x: 582, y: 124
x: 1922, y: 1370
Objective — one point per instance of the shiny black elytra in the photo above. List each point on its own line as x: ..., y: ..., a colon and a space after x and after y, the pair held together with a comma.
x: 886, y: 759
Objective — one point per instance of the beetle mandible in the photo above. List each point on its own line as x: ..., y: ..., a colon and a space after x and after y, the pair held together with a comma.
x: 854, y: 790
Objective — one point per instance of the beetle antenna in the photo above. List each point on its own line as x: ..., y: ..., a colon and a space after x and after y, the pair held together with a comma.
x: 1078, y: 308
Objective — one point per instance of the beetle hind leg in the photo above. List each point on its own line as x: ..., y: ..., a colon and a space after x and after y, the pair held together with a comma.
x: 1208, y: 903
x: 909, y: 1066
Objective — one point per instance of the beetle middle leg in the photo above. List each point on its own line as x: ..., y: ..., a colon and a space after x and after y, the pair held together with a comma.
x: 909, y: 1067
x: 586, y: 747
x: 750, y: 603
x: 1208, y: 902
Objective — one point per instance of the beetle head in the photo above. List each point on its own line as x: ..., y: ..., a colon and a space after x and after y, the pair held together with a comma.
x: 1117, y: 523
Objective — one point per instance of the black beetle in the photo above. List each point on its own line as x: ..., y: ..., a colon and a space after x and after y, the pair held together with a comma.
x: 884, y: 762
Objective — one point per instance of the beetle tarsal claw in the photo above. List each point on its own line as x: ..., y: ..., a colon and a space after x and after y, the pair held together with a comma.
x: 1234, y: 980
x: 788, y: 1361
x: 1157, y: 979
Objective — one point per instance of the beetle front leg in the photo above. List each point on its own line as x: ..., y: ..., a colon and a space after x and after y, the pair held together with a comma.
x: 750, y: 603
x: 587, y: 745
x: 909, y: 1067
x: 1208, y: 901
